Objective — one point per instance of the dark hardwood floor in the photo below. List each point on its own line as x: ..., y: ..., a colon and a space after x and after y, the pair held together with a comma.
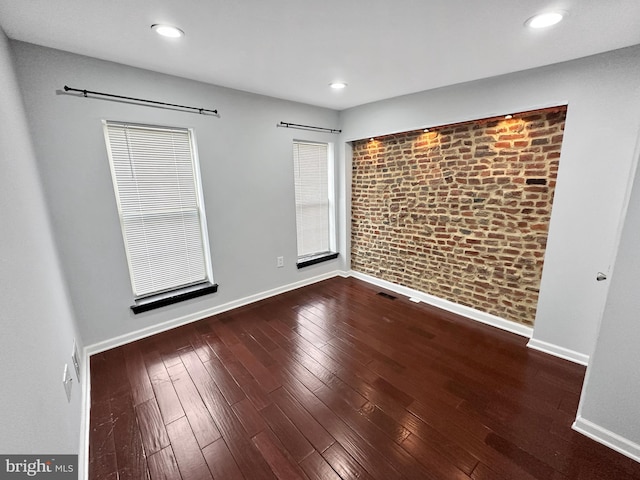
x: 336, y: 381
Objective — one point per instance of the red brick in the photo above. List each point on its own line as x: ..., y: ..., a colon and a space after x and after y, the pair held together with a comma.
x: 465, y: 226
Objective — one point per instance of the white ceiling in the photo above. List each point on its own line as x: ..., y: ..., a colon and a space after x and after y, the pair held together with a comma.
x: 293, y: 49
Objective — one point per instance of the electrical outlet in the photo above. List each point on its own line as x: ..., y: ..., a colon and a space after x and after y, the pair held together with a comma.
x: 75, y: 359
x: 280, y: 262
x: 67, y: 382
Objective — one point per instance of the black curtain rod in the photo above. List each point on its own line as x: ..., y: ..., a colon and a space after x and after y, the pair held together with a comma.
x: 85, y: 92
x: 309, y: 127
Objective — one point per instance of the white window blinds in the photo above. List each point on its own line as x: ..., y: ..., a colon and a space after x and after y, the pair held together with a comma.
x: 312, y: 197
x: 155, y: 177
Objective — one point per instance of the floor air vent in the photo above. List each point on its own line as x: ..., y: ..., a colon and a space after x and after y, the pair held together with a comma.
x: 386, y: 295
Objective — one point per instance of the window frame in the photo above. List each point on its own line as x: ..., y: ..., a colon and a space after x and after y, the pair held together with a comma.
x: 319, y: 257
x: 177, y: 293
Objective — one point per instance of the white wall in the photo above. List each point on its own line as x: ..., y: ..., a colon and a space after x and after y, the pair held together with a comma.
x: 609, y: 404
x: 36, y: 321
x: 247, y: 174
x: 597, y: 156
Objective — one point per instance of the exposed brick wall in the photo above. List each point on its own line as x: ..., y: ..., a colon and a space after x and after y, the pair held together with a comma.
x: 460, y: 212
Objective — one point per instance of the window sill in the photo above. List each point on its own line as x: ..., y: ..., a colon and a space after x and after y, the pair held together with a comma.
x: 317, y: 258
x: 174, y: 296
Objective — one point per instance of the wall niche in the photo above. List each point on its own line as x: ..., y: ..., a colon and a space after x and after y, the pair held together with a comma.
x: 461, y: 211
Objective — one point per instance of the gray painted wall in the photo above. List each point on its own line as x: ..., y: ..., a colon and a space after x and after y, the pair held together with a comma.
x: 36, y: 322
x: 603, y: 100
x: 611, y: 393
x: 247, y: 175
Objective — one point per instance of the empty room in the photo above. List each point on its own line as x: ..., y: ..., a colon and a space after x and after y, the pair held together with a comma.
x: 338, y: 240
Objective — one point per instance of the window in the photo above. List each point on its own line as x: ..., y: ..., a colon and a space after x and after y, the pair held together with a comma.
x: 314, y: 202
x: 156, y: 181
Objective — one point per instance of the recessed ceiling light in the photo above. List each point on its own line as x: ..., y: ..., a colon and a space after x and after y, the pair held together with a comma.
x: 167, y: 30
x: 338, y: 85
x: 544, y: 20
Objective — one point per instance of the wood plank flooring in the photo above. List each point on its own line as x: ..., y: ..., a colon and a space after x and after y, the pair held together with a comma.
x: 335, y: 381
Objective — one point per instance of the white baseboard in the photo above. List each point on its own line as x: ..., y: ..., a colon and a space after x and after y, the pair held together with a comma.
x: 558, y: 351
x: 192, y: 317
x: 607, y: 438
x: 447, y: 305
x: 478, y: 316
